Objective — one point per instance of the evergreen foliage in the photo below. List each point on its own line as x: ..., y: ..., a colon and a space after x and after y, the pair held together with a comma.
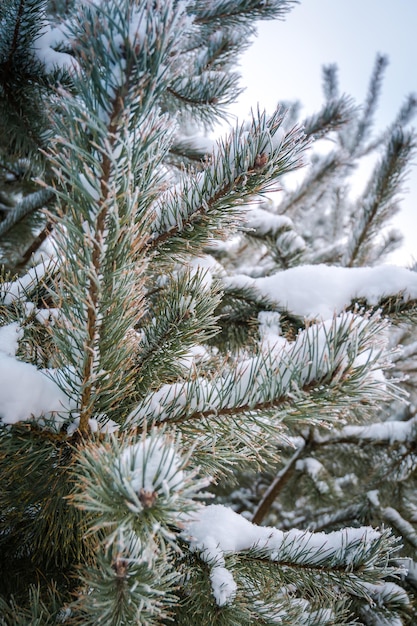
x: 202, y: 396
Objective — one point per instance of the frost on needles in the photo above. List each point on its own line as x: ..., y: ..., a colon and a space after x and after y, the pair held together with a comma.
x: 206, y: 399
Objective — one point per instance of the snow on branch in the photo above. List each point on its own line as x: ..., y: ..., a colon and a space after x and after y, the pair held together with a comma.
x: 330, y: 353
x: 217, y: 531
x: 45, y: 49
x: 322, y: 291
x: 378, y: 433
x: 25, y: 391
x: 382, y: 596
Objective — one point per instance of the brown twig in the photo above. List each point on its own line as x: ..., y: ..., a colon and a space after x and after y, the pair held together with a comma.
x: 277, y: 484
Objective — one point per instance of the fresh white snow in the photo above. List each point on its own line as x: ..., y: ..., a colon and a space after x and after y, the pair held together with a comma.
x: 321, y: 291
x: 215, y: 531
x: 25, y: 391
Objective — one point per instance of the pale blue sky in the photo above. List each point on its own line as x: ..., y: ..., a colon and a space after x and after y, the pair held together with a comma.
x: 285, y: 61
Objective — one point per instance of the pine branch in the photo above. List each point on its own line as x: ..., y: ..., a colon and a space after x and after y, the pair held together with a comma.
x: 15, y: 37
x: 320, y: 176
x: 334, y: 115
x: 401, y: 525
x: 233, y: 13
x: 30, y: 204
x: 378, y: 202
x: 333, y: 518
x: 248, y: 163
x: 86, y: 405
x: 405, y: 115
x: 371, y: 102
x: 330, y: 82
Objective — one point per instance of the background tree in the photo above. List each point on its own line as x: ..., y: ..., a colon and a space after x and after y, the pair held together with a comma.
x: 150, y: 393
x: 353, y: 473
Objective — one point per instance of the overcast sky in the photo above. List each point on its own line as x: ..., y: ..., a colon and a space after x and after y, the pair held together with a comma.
x: 285, y: 61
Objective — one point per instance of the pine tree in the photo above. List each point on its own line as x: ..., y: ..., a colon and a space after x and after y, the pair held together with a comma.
x: 177, y: 364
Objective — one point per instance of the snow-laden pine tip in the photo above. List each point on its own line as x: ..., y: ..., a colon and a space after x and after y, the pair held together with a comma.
x: 153, y: 465
x: 321, y: 290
